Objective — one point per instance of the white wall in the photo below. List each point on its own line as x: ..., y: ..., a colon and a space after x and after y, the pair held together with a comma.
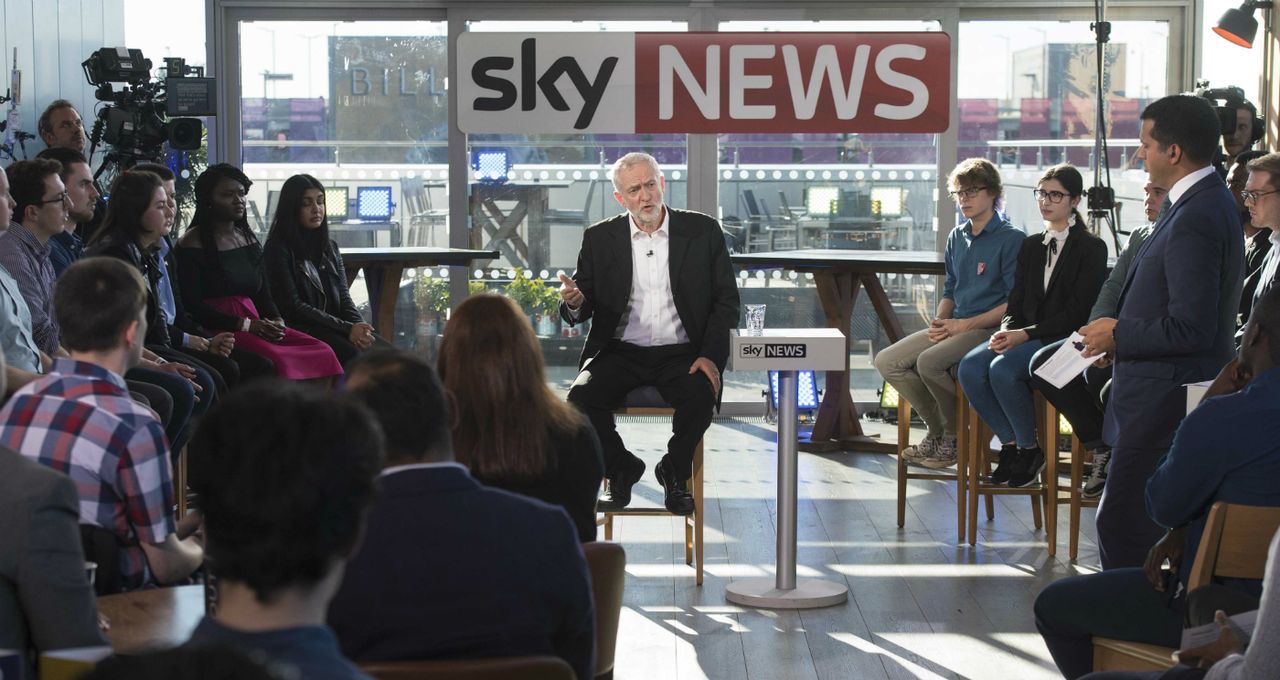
x: 52, y: 37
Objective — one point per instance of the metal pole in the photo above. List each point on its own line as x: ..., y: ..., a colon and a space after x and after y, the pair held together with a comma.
x: 788, y: 480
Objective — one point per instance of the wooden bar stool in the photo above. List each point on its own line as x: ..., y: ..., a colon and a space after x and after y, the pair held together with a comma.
x: 1072, y: 498
x: 646, y: 401
x: 905, y: 472
x: 979, y: 445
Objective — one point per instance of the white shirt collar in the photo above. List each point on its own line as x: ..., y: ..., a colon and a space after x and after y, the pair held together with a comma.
x: 662, y: 229
x: 421, y: 466
x: 1181, y: 186
x: 1274, y: 237
x: 1051, y: 235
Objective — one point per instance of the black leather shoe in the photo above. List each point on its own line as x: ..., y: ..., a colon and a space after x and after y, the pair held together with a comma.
x: 618, y: 495
x: 1027, y: 468
x: 1004, y: 469
x: 676, y: 497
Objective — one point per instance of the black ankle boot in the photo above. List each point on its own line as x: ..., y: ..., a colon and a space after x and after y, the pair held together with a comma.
x: 1004, y: 469
x: 1027, y: 467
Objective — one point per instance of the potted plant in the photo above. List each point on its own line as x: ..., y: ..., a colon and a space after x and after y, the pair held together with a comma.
x: 549, y: 306
x: 431, y: 297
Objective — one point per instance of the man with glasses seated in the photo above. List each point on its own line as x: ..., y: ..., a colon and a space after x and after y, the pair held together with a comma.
x: 981, y: 258
x: 41, y: 212
x: 1261, y: 199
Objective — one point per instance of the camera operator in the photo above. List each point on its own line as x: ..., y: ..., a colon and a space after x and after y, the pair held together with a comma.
x: 61, y: 128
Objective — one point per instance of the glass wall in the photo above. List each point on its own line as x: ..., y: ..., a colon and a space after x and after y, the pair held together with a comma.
x: 1027, y: 100
x: 852, y: 191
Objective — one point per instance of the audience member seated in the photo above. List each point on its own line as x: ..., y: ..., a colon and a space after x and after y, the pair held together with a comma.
x: 24, y: 362
x: 1257, y: 240
x: 1227, y: 449
x: 1059, y: 274
x: 450, y: 568
x: 1082, y: 400
x: 510, y: 430
x: 60, y: 127
x: 285, y: 476
x: 39, y: 213
x: 981, y: 257
x: 46, y: 601
x: 1260, y: 197
x: 189, y: 341
x: 223, y: 283
x: 308, y: 280
x: 80, y: 421
x: 82, y: 195
x: 1229, y: 657
x: 138, y: 215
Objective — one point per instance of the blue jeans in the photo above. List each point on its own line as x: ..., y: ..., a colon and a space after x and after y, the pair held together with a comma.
x: 999, y: 387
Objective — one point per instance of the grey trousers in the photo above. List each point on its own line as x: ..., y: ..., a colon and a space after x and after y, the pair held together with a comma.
x: 918, y: 368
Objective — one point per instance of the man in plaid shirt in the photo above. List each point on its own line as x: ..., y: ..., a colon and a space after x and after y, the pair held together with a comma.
x: 80, y: 420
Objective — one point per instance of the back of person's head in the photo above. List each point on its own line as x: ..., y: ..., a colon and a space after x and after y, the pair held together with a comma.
x: 1246, y: 157
x: 95, y: 300
x: 492, y: 366
x: 190, y: 663
x: 976, y: 172
x: 1187, y: 121
x: 1270, y: 164
x: 27, y: 184
x: 406, y: 397
x: 285, y: 473
x: 285, y: 225
x: 67, y: 157
x: 158, y: 169
x: 131, y: 196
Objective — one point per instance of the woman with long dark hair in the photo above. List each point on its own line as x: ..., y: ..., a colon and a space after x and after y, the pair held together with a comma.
x: 225, y: 287
x: 1059, y: 274
x: 306, y: 275
x: 510, y: 429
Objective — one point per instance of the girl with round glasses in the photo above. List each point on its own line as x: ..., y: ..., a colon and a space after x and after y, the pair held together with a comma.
x: 1059, y: 274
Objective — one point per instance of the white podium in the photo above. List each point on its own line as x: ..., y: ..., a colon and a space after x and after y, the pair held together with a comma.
x: 787, y: 350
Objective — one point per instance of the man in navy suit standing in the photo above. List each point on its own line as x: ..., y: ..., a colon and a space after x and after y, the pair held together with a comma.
x: 1176, y: 316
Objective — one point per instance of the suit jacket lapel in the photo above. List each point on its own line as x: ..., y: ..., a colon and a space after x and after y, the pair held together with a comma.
x: 620, y: 241
x: 679, y: 247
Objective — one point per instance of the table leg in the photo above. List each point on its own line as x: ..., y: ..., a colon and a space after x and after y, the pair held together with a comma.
x: 383, y: 282
x: 786, y: 591
x: 836, y: 426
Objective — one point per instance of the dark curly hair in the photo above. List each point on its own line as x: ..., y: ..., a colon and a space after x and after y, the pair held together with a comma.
x: 205, y: 184
x: 284, y: 474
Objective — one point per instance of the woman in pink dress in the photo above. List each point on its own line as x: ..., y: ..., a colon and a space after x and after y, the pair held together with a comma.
x: 224, y: 286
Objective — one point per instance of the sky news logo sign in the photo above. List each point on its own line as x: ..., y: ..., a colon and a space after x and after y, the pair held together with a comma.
x: 774, y: 350
x: 704, y: 82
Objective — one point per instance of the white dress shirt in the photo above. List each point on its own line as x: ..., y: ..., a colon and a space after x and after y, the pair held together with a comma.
x: 651, y: 319
x: 1053, y: 253
x: 1181, y: 186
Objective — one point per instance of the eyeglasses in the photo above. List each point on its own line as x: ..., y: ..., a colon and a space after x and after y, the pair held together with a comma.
x: 60, y: 198
x: 1247, y: 196
x: 1050, y: 196
x: 966, y: 193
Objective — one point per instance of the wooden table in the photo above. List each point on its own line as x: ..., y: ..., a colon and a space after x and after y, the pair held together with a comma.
x: 839, y: 274
x: 499, y: 228
x: 150, y: 620
x: 383, y: 268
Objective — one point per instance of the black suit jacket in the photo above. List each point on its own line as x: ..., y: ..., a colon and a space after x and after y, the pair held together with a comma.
x: 1050, y: 314
x: 453, y: 569
x: 702, y: 283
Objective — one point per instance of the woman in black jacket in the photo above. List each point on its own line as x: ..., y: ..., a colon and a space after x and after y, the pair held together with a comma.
x: 1059, y: 274
x: 306, y: 275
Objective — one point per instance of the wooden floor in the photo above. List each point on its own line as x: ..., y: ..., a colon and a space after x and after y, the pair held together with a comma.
x: 920, y: 605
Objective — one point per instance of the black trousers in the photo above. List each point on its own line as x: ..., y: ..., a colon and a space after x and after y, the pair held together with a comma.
x: 1118, y: 604
x: 605, y: 380
x: 1125, y: 531
x: 225, y: 372
x: 1080, y: 400
x: 338, y: 341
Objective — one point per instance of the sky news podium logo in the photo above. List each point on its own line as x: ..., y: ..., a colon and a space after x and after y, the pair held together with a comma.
x: 775, y: 350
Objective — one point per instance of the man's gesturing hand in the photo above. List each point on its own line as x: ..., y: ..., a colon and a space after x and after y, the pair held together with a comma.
x: 713, y: 374
x: 569, y: 292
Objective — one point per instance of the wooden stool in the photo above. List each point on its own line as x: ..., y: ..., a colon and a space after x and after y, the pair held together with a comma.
x: 1072, y: 498
x: 646, y: 401
x: 979, y: 438
x: 905, y: 472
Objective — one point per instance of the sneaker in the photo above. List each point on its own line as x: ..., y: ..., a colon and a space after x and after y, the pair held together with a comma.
x: 1098, y: 475
x: 917, y: 453
x: 1004, y: 469
x: 944, y: 455
x: 1026, y: 467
